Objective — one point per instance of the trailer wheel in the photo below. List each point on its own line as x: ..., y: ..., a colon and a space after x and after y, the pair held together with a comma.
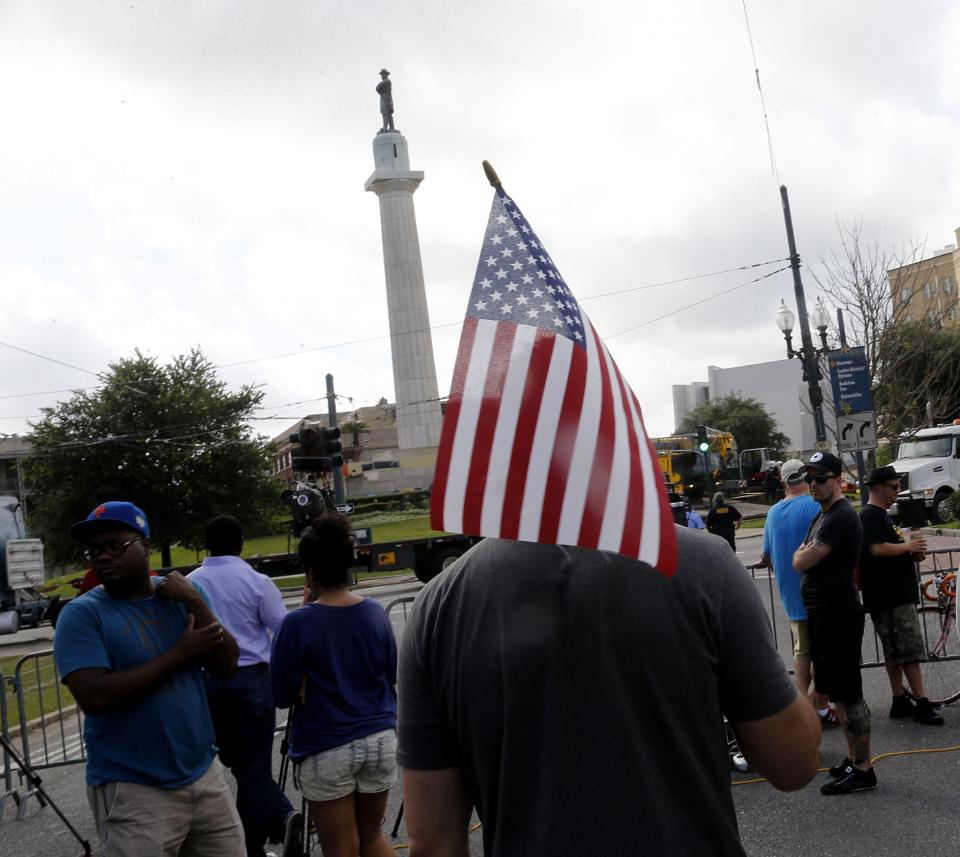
x: 939, y: 511
x: 445, y: 558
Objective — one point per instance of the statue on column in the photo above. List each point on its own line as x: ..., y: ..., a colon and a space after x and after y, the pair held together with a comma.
x: 385, y: 90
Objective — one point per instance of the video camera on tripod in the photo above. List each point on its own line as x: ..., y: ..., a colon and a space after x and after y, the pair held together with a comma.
x: 307, y: 501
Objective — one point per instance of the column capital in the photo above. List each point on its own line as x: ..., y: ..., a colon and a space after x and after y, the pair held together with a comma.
x: 381, y: 181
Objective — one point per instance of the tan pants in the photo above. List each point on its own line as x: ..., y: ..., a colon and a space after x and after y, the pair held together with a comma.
x: 199, y: 820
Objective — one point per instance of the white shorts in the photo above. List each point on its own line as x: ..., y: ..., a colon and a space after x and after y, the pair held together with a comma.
x: 367, y: 765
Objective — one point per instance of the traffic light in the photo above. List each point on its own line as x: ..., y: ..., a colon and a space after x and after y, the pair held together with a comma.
x: 331, y: 446
x: 703, y: 442
x: 316, y: 449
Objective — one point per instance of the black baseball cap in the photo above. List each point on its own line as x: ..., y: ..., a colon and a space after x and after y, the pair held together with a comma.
x: 826, y: 462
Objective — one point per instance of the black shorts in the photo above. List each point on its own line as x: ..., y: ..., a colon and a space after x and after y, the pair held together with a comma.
x: 835, y: 638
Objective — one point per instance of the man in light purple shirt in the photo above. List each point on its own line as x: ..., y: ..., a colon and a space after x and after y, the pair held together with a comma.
x: 251, y: 607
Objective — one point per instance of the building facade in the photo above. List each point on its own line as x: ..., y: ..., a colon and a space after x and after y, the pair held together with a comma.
x: 13, y: 450
x: 927, y: 290
x: 777, y: 385
x: 373, y: 462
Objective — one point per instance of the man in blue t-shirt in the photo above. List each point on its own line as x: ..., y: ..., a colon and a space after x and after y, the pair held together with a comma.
x: 786, y: 525
x: 131, y: 654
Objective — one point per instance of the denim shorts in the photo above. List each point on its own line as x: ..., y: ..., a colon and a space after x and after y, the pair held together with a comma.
x: 367, y: 765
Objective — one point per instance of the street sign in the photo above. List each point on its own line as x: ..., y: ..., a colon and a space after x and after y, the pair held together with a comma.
x: 344, y: 508
x: 850, y: 382
x: 856, y: 432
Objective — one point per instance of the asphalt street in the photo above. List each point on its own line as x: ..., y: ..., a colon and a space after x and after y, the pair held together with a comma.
x: 912, y: 812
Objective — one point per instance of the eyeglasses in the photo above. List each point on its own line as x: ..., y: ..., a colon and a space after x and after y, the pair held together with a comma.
x: 111, y: 548
x: 819, y: 478
x: 893, y: 486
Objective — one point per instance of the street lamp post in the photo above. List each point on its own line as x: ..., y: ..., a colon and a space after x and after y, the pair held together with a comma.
x: 785, y: 320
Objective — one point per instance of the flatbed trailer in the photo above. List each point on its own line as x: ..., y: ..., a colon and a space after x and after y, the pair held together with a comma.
x: 427, y: 557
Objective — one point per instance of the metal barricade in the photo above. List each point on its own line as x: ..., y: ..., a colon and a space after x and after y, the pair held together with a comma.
x: 936, y: 612
x: 8, y: 789
x: 50, y: 723
x: 397, y: 612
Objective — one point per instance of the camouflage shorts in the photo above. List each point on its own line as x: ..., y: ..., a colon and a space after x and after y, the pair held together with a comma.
x: 899, y: 631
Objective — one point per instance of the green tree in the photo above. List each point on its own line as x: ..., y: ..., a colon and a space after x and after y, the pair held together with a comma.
x: 172, y: 439
x: 354, y: 428
x: 917, y: 364
x: 746, y: 419
x: 910, y: 362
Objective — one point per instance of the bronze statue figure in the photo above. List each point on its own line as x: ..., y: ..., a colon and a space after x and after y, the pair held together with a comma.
x: 385, y: 89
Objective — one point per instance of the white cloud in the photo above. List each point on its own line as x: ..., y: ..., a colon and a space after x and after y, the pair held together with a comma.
x: 180, y: 174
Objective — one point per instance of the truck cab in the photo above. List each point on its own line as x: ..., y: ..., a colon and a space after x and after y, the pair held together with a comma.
x: 929, y: 461
x: 21, y: 571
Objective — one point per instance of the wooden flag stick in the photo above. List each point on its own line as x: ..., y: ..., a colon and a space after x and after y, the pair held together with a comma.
x: 491, y: 174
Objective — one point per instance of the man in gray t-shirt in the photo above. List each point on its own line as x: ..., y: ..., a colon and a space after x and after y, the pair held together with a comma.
x: 575, y: 698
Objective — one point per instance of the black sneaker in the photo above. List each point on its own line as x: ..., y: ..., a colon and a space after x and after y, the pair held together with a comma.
x: 854, y: 780
x: 902, y: 707
x: 293, y: 835
x: 839, y: 770
x: 926, y: 714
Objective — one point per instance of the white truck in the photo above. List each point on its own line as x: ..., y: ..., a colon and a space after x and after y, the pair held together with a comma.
x: 929, y: 460
x: 21, y: 573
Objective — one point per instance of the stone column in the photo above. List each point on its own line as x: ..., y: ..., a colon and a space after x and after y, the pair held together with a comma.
x: 411, y: 345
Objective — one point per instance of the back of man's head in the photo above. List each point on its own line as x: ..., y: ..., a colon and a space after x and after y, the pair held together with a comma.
x: 224, y: 536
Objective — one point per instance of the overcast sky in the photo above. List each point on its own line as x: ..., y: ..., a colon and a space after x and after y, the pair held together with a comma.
x: 190, y: 173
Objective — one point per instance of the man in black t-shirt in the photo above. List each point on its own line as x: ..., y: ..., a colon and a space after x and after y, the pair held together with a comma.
x: 828, y: 559
x: 540, y: 684
x: 723, y: 519
x: 888, y: 580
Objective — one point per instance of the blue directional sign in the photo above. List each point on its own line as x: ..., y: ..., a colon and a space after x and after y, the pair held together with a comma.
x: 850, y: 382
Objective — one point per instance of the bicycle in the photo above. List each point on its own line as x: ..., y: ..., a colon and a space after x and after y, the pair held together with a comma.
x: 938, y: 621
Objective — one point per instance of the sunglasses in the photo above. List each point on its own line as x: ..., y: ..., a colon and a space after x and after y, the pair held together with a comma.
x: 111, y: 548
x: 819, y: 478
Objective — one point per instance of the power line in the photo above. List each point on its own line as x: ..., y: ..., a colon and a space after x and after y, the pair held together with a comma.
x: 697, y: 303
x: 49, y: 359
x: 763, y: 105
x: 345, y: 343
x: 683, y: 280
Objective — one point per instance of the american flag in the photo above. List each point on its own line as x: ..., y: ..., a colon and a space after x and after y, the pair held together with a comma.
x: 543, y: 439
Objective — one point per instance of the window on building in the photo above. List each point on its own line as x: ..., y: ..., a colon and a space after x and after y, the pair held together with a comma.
x: 928, y: 290
x: 949, y: 284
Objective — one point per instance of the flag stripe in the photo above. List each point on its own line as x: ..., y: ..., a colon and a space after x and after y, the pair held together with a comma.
x: 564, y: 444
x: 651, y: 530
x: 479, y: 359
x: 450, y: 421
x: 512, y: 391
x: 496, y: 371
x: 528, y: 412
x: 541, y: 452
x: 582, y: 455
x: 636, y: 499
x: 597, y: 482
x: 614, y: 521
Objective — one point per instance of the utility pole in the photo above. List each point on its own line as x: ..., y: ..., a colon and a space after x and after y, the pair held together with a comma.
x: 338, y: 492
x: 811, y: 368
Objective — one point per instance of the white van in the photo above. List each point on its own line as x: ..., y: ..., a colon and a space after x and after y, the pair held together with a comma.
x: 929, y: 460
